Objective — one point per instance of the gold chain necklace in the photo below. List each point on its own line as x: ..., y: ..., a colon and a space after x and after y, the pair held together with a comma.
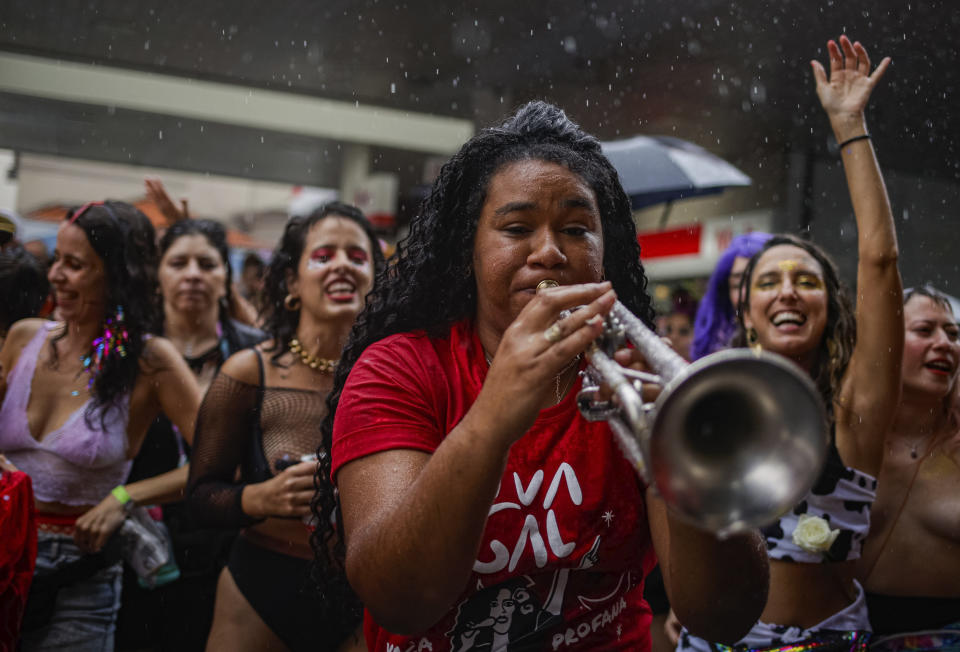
x: 556, y: 379
x: 323, y: 365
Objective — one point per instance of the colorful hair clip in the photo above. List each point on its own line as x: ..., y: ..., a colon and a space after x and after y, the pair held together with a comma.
x: 113, y: 340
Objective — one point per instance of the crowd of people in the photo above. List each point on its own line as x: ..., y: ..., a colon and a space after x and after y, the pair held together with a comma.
x: 343, y: 452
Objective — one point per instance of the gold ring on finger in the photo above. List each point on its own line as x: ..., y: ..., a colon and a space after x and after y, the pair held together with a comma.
x: 553, y: 334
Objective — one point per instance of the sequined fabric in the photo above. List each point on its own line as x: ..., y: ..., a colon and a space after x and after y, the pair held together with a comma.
x: 825, y: 642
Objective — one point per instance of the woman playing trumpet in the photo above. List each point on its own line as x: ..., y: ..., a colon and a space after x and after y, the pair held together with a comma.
x: 481, y: 511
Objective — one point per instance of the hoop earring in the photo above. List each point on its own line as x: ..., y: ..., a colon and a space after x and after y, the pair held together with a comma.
x: 753, y: 339
x: 291, y: 303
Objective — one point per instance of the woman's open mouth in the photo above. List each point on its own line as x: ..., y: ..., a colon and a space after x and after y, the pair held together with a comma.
x: 940, y: 367
x: 341, y: 291
x: 788, y: 320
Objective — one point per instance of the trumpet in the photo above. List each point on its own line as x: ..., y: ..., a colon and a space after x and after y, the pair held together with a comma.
x: 732, y: 442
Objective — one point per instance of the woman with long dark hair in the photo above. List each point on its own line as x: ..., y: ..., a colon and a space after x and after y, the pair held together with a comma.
x: 794, y: 304
x: 262, y: 414
x: 194, y: 277
x: 78, y: 397
x: 461, y: 459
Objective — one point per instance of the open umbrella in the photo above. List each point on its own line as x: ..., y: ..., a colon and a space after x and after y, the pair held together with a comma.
x: 658, y: 169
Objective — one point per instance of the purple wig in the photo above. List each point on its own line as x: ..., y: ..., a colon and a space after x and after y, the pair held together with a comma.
x: 716, y: 317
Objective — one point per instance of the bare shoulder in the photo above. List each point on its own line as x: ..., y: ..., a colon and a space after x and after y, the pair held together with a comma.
x: 17, y: 337
x: 159, y: 353
x: 23, y: 330
x: 243, y: 366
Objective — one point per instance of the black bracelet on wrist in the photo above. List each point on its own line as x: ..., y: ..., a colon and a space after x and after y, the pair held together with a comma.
x: 840, y: 146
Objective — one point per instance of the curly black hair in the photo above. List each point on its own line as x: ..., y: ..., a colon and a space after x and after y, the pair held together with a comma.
x: 337, y: 598
x: 840, y: 334
x: 124, y: 240
x: 280, y: 323
x: 430, y: 283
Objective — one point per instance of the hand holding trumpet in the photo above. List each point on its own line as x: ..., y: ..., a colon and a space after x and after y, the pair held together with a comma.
x: 527, y: 366
x: 730, y: 443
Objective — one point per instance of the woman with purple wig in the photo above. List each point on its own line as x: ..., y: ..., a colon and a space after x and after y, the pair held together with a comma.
x: 717, y: 315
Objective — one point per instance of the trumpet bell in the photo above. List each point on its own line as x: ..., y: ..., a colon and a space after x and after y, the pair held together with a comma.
x: 738, y: 440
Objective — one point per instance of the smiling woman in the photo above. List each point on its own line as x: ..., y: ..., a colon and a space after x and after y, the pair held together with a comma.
x: 261, y: 415
x: 910, y: 566
x: 80, y: 397
x: 794, y: 304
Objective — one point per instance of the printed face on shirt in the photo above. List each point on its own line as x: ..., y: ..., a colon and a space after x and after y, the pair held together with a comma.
x: 77, y: 276
x: 501, y: 611
x: 539, y: 221
x: 193, y: 277
x: 931, y: 349
x: 335, y: 270
x: 788, y: 303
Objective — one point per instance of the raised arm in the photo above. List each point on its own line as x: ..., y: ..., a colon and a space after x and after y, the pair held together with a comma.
x: 158, y: 194
x: 870, y: 388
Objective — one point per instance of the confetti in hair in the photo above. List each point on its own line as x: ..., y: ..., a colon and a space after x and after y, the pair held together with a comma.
x: 113, y: 340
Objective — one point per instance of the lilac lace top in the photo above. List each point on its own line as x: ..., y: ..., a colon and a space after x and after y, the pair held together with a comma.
x: 74, y: 464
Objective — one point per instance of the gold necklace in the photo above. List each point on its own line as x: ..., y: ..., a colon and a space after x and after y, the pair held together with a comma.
x: 566, y: 386
x: 323, y: 365
x: 556, y: 379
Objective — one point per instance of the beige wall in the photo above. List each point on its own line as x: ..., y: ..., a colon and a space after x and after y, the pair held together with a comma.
x: 46, y: 180
x: 8, y: 187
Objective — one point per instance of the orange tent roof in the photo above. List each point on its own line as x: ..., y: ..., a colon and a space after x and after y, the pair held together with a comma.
x: 235, y: 238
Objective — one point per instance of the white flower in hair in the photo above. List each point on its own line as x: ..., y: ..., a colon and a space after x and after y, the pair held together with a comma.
x: 813, y: 534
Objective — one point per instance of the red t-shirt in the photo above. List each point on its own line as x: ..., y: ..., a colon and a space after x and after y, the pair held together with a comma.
x: 566, y: 545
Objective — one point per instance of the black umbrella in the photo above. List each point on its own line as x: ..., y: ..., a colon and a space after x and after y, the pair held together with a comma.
x: 658, y: 169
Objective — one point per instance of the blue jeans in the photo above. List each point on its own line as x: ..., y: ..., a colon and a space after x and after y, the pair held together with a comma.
x: 85, y: 615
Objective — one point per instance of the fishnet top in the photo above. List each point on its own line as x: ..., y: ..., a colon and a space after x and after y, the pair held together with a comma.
x: 251, y: 428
